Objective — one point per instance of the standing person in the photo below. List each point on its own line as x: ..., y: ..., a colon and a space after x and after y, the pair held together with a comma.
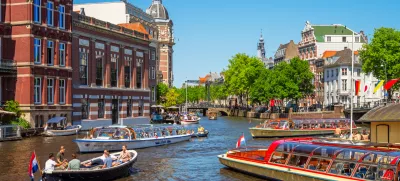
x: 108, y: 160
x: 51, y: 164
x: 74, y: 164
x: 61, y: 160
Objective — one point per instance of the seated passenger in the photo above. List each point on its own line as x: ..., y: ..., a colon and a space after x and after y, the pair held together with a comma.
x: 74, y: 164
x: 125, y: 155
x: 107, y: 161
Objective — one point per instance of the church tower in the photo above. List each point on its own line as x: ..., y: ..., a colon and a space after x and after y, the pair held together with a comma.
x: 165, y: 40
x: 260, y: 48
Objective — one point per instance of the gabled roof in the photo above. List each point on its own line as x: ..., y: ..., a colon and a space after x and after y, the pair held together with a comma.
x: 328, y: 54
x: 136, y: 27
x: 344, y: 57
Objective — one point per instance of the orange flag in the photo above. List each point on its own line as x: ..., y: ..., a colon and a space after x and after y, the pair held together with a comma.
x: 358, y: 83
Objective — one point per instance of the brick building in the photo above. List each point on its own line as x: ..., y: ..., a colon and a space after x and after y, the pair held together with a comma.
x: 37, y: 35
x: 111, y: 72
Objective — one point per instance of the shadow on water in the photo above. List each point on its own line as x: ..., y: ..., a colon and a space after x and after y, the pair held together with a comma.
x: 192, y: 160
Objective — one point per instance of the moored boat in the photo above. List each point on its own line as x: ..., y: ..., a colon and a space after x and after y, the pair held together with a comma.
x: 55, y: 127
x: 310, y: 159
x: 112, y: 138
x: 212, y: 116
x: 300, y: 127
x: 94, y: 172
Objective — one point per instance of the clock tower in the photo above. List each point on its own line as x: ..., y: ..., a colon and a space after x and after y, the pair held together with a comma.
x: 165, y: 40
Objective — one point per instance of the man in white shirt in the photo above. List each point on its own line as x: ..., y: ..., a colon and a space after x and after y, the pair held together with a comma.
x: 51, y: 164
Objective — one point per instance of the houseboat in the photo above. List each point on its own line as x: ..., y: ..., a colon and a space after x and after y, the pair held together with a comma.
x: 56, y: 127
x: 112, y: 138
x: 299, y: 127
x: 212, y: 116
x: 311, y: 159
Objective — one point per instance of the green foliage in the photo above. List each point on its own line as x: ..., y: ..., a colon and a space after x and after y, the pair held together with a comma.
x: 383, y: 52
x: 162, y: 90
x: 13, y: 106
x: 171, y: 97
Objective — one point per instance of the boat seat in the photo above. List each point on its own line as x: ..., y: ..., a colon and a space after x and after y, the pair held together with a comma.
x: 312, y: 167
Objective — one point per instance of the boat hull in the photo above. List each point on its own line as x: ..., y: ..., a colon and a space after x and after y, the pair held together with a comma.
x: 212, y: 118
x: 271, y: 133
x: 93, y: 145
x: 189, y: 122
x: 62, y: 132
x: 272, y: 172
x: 200, y: 134
x: 92, y: 175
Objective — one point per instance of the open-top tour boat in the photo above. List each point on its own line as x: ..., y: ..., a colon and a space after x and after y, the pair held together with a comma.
x: 112, y: 138
x: 190, y: 119
x: 55, y: 127
x: 311, y: 159
x: 299, y: 127
x: 95, y: 172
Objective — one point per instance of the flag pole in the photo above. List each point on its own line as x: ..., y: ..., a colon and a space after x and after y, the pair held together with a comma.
x: 37, y: 159
x: 351, y: 88
x: 245, y: 144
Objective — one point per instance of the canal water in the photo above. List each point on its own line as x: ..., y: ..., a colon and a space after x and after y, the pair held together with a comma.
x: 193, y: 160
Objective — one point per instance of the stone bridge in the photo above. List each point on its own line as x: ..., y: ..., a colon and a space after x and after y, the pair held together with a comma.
x: 222, y: 111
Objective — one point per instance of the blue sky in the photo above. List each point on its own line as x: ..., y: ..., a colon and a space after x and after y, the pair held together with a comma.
x: 209, y: 32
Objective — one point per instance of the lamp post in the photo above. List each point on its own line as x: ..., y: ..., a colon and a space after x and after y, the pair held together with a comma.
x: 384, y: 66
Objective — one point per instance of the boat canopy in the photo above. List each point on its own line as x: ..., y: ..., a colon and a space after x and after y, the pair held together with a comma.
x: 56, y: 120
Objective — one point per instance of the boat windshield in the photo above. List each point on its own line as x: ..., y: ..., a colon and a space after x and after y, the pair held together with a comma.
x: 121, y: 133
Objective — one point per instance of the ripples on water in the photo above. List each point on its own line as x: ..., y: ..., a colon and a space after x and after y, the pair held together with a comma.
x: 194, y: 160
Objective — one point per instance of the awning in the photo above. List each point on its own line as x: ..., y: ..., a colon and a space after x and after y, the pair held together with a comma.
x: 160, y: 106
x: 153, y: 106
x: 173, y: 107
x: 55, y: 120
x: 6, y: 112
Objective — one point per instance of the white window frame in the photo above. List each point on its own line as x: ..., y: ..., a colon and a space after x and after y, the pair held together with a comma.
x: 328, y: 39
x: 62, y: 55
x: 39, y: 49
x: 50, y: 91
x: 49, y: 42
x: 153, y: 73
x: 61, y: 15
x: 37, y: 98
x: 51, y: 23
x: 62, y: 91
x: 40, y: 11
x: 357, y: 39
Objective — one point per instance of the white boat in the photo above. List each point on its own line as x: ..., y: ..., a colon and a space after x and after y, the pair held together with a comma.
x: 190, y: 121
x: 112, y: 138
x: 55, y: 127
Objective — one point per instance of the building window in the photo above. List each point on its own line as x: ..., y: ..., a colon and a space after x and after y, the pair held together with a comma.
x: 337, y: 72
x: 99, y: 71
x: 114, y: 72
x: 328, y: 39
x: 153, y: 55
x: 127, y: 74
x: 50, y: 52
x: 344, y: 39
x: 332, y: 73
x: 62, y: 91
x: 153, y: 73
x: 139, y: 76
x: 62, y: 54
x: 344, y: 84
x: 129, y: 108
x: 37, y: 13
x: 83, y: 68
x: 84, y: 109
x: 37, y: 50
x: 344, y: 71
x: 358, y: 72
x: 37, y: 94
x: 327, y: 73
x: 50, y: 13
x: 153, y: 94
x: 101, y: 108
x: 357, y: 39
x: 61, y: 18
x: 50, y: 91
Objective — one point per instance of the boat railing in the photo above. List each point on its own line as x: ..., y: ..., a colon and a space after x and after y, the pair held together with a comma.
x: 10, y: 131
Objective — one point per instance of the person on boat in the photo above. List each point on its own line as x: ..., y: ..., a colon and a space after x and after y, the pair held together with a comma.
x: 74, y: 164
x: 125, y: 155
x: 51, y: 164
x: 61, y: 160
x: 347, y: 135
x: 356, y: 136
x: 117, y: 134
x: 185, y: 117
x: 200, y: 129
x: 101, y: 160
x: 338, y: 131
x: 108, y: 160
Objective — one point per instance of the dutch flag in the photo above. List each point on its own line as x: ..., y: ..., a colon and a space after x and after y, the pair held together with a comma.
x: 33, y: 166
x: 240, y: 141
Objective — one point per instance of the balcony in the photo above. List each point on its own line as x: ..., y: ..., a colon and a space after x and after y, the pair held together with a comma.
x: 8, y: 66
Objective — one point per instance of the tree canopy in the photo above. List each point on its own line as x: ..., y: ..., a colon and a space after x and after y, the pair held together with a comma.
x: 162, y: 90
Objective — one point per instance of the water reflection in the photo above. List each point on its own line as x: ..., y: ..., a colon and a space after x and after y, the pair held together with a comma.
x: 195, y: 159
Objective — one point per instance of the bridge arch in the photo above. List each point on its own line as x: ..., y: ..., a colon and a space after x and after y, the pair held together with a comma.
x: 223, y: 113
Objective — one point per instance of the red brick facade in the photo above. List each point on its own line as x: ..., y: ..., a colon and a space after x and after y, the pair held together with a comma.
x: 107, y: 62
x: 19, y: 36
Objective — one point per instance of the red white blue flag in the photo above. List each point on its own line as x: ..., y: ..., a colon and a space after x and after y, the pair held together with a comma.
x: 240, y: 141
x: 33, y: 166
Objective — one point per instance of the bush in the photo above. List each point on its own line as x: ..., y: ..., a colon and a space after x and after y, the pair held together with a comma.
x: 21, y: 122
x: 13, y: 106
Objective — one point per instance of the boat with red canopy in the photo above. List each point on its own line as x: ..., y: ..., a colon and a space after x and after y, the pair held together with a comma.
x: 299, y: 127
x: 314, y: 159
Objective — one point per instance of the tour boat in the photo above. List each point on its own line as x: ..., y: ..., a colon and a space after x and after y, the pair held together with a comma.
x: 95, y: 172
x: 190, y: 119
x: 212, y: 116
x: 113, y: 137
x: 310, y: 159
x: 55, y: 127
x: 299, y: 127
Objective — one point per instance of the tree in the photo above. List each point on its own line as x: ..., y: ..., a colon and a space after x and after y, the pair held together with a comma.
x: 171, y: 98
x: 13, y: 106
x: 261, y: 91
x: 241, y: 73
x: 381, y: 57
x: 162, y: 90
